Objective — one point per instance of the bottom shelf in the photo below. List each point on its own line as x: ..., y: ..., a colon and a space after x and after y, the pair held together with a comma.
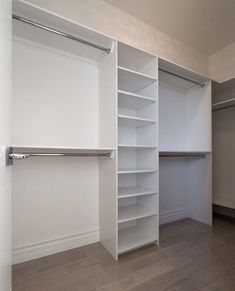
x: 132, y: 238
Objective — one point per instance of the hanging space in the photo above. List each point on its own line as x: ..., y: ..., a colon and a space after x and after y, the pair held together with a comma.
x: 185, y: 145
x: 64, y: 126
x: 137, y: 149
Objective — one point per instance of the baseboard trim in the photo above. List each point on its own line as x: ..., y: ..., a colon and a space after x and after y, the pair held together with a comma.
x: 173, y: 215
x: 223, y: 210
x: 37, y: 250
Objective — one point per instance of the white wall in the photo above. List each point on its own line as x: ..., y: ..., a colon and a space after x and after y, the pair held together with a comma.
x: 55, y: 103
x: 107, y: 19
x: 5, y: 172
x: 222, y: 64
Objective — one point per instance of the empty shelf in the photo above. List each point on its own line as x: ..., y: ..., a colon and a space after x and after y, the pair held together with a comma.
x: 133, y: 171
x: 124, y: 192
x: 132, y: 212
x: 132, y: 238
x: 224, y: 104
x: 140, y: 147
x: 128, y: 121
x: 133, y: 101
x: 129, y: 80
x: 182, y: 154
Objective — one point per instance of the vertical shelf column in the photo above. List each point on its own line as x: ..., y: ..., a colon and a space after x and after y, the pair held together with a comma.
x: 138, y: 199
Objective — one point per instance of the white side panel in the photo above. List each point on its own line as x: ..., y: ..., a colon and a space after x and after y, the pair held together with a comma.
x: 173, y: 200
x: 108, y: 138
x: 172, y: 119
x: 198, y: 119
x: 199, y: 189
x: 224, y: 157
x: 5, y: 172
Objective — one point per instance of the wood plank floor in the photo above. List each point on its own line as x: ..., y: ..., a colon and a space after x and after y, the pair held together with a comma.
x: 191, y: 256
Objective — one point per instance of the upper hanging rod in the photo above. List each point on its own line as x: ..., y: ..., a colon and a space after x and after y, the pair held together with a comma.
x: 182, y: 77
x: 107, y: 50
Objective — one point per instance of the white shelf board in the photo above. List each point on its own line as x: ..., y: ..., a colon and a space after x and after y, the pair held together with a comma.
x: 133, y: 101
x: 132, y: 212
x: 224, y: 104
x: 133, y: 171
x: 129, y: 80
x: 182, y: 153
x: 132, y: 237
x: 138, y: 147
x: 57, y: 150
x: 124, y: 192
x: 129, y: 121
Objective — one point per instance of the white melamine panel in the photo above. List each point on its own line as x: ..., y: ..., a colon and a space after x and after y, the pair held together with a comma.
x: 124, y: 192
x: 137, y: 158
x: 185, y: 188
x: 53, y: 200
x: 133, y: 101
x: 132, y: 212
x: 140, y: 136
x: 199, y: 188
x: 224, y: 157
x: 60, y: 106
x: 173, y: 195
x: 5, y: 140
x: 129, y: 121
x: 133, y: 81
x: 108, y: 136
x: 132, y: 237
x: 136, y: 60
x: 57, y: 22
x: 198, y: 118
x: 185, y: 119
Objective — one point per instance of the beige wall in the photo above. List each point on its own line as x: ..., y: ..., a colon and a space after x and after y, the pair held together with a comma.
x: 222, y: 64
x: 112, y: 21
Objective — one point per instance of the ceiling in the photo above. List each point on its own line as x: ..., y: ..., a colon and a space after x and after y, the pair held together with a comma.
x: 207, y: 25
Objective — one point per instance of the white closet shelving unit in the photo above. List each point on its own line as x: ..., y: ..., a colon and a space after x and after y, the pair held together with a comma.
x: 137, y: 149
x: 72, y: 99
x: 184, y: 144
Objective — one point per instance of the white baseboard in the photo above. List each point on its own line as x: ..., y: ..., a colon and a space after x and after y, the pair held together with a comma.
x: 37, y: 250
x: 173, y: 215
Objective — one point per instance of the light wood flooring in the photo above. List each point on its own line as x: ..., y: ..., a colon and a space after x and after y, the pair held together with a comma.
x: 191, y: 256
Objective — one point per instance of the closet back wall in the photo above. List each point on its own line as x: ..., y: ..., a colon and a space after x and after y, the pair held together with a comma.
x: 105, y: 18
x: 55, y: 200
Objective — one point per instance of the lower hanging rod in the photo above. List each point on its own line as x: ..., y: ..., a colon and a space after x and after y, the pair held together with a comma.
x: 182, y: 77
x: 21, y: 156
x: 58, y: 32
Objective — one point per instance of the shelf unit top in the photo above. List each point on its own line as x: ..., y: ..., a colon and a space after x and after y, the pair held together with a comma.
x: 133, y: 212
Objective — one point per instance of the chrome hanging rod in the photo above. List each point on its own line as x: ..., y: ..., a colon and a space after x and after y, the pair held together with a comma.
x: 182, y: 77
x: 58, y: 32
x: 20, y: 156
